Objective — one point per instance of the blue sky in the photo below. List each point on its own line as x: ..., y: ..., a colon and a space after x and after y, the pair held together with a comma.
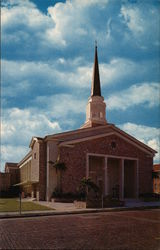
x: 47, y: 59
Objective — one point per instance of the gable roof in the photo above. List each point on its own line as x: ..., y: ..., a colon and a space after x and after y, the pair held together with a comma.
x: 11, y: 165
x: 110, y: 130
x: 25, y: 158
x: 75, y: 136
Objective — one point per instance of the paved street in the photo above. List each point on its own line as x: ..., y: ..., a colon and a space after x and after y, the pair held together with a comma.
x: 111, y: 230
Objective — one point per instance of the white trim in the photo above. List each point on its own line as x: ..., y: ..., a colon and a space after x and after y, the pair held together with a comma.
x: 77, y: 131
x: 113, y: 156
x: 68, y: 146
x: 24, y: 163
x: 134, y: 143
x: 33, y: 140
x: 122, y: 158
x: 105, y: 135
x: 85, y: 139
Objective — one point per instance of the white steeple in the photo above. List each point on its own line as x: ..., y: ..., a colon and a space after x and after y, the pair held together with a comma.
x: 96, y: 107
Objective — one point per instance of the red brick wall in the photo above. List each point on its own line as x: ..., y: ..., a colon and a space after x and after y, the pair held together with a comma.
x: 42, y: 170
x: 156, y: 185
x: 156, y: 178
x: 75, y: 160
x: 4, y: 181
x: 15, y: 176
x: 145, y: 174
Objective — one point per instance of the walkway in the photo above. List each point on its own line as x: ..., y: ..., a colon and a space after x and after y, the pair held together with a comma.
x: 69, y: 208
x: 59, y: 206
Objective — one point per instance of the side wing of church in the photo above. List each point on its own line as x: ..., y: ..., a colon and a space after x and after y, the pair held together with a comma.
x: 99, y: 150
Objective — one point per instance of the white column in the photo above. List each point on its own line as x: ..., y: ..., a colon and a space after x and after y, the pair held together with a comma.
x: 37, y: 195
x: 106, y: 179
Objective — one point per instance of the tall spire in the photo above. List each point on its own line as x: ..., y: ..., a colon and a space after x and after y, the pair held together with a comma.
x: 96, y: 107
x: 96, y: 87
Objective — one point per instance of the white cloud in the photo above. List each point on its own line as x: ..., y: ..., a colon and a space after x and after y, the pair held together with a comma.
x: 9, y: 3
x: 63, y: 24
x: 78, y: 24
x: 87, y: 3
x: 12, y: 153
x: 62, y: 105
x: 72, y: 20
x: 77, y: 21
x: 123, y: 70
x: 147, y: 135
x: 73, y: 73
x: 143, y: 21
x: 23, y: 23
x: 145, y: 93
x: 117, y: 69
x: 24, y: 14
x: 133, y: 19
x: 30, y: 75
x: 18, y: 127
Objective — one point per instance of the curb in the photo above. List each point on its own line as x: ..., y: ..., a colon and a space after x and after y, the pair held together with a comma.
x: 40, y: 214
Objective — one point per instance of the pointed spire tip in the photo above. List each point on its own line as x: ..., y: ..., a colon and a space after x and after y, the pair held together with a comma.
x: 96, y: 43
x: 96, y: 87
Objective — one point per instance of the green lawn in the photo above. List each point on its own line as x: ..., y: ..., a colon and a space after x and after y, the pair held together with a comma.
x: 12, y: 205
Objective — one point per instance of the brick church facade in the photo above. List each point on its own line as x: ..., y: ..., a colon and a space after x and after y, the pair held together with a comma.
x: 99, y: 150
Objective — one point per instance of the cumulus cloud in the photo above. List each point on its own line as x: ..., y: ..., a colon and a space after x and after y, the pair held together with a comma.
x: 24, y: 16
x: 143, y: 22
x: 18, y: 127
x: 12, y: 153
x: 145, y: 93
x: 63, y: 24
x: 77, y: 23
x: 147, y: 135
x: 23, y: 78
x: 120, y: 69
x: 61, y: 105
x: 12, y: 3
x: 72, y: 20
x: 47, y: 63
x: 24, y: 25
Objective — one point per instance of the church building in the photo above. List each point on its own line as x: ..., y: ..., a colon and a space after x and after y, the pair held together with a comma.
x: 98, y: 149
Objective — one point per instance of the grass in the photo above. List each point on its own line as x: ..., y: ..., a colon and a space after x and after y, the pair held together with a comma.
x: 13, y: 204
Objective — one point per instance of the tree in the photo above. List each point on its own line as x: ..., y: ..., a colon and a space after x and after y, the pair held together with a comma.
x: 87, y: 185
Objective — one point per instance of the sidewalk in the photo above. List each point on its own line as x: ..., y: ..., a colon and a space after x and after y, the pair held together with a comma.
x: 69, y: 208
